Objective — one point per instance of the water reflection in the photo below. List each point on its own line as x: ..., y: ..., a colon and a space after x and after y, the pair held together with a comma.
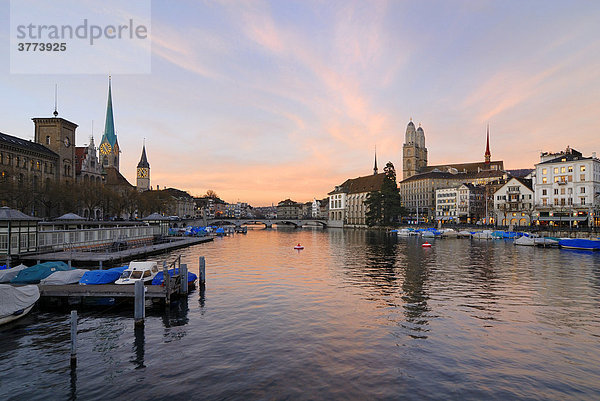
x: 138, y: 346
x: 414, y: 294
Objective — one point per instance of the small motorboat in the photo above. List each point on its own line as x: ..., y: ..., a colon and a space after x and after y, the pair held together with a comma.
x: 36, y: 273
x: 64, y: 277
x: 8, y: 274
x: 299, y: 247
x: 160, y: 280
x: 426, y: 245
x: 525, y: 241
x: 580, y: 243
x: 16, y: 302
x: 144, y: 271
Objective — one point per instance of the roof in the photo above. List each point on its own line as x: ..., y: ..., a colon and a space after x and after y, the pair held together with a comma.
x: 467, y: 167
x: 567, y: 157
x: 368, y: 183
x: 528, y: 183
x: 114, y: 178
x: 70, y: 216
x: 27, y: 145
x: 176, y: 193
x: 288, y: 202
x: 156, y: 217
x: 8, y: 214
x: 80, y: 153
x: 441, y: 175
x: 522, y: 172
x: 143, y: 160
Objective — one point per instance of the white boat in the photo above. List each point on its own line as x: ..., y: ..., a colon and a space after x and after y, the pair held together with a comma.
x: 545, y: 241
x: 525, y: 241
x: 8, y: 274
x: 403, y: 233
x: 486, y: 234
x: 144, y: 271
x: 16, y: 302
x: 464, y: 234
x: 449, y: 233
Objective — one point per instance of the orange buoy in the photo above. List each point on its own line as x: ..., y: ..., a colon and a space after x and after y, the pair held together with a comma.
x: 426, y: 245
x: 298, y: 247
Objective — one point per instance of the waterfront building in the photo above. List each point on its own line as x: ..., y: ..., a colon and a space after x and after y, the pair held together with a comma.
x: 109, y: 145
x: 513, y: 202
x: 315, y: 210
x: 288, y: 209
x: 179, y: 203
x: 347, y: 201
x: 87, y: 166
x: 18, y: 234
x: 461, y: 204
x: 446, y: 205
x: 143, y: 172
x: 567, y: 188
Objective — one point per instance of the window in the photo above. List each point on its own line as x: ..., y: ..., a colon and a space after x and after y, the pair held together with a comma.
x: 562, y: 170
x: 545, y: 202
x: 562, y: 191
x: 582, y: 190
x: 48, y: 140
x: 555, y: 201
x: 570, y: 169
x: 555, y: 170
x: 556, y: 178
x: 544, y: 171
x: 583, y: 201
x: 582, y: 177
x: 555, y: 191
x: 570, y: 201
x: 582, y: 168
x: 544, y: 180
x: 562, y: 201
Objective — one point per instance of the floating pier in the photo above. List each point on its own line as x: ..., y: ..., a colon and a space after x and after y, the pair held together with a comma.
x: 106, y: 258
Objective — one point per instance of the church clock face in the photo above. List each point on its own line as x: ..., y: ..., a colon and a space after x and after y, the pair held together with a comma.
x: 105, y: 148
x: 142, y: 173
x: 67, y: 142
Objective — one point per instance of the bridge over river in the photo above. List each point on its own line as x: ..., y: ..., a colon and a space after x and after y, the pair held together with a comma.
x: 268, y: 223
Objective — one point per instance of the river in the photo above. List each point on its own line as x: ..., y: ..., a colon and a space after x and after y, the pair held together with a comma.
x: 356, y: 315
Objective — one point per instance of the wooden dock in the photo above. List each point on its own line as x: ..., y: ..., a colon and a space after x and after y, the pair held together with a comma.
x: 106, y: 258
x: 102, y: 290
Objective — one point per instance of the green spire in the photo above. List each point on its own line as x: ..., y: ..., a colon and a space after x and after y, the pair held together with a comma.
x: 109, y: 125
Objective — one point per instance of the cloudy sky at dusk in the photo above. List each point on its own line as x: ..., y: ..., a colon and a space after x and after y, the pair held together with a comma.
x: 261, y: 101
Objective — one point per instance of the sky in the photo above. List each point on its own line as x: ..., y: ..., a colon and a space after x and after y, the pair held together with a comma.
x: 262, y: 101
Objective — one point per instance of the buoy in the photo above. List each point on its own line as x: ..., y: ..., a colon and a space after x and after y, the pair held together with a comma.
x: 298, y: 247
x: 426, y: 245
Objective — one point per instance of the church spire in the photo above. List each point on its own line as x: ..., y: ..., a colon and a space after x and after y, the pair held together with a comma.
x: 375, y: 167
x: 109, y: 125
x: 488, y: 154
x: 143, y: 160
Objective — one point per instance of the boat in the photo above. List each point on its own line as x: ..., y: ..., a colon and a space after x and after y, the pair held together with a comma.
x: 220, y: 231
x: 449, y: 233
x: 64, y: 277
x: 16, y: 302
x: 486, y: 234
x: 546, y: 241
x: 159, y: 278
x: 299, y: 247
x: 108, y: 276
x: 404, y: 232
x: 36, y: 273
x: 580, y: 243
x: 464, y: 234
x: 8, y: 274
x: 525, y: 241
x: 144, y: 271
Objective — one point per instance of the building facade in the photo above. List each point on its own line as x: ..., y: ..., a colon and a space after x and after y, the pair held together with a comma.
x: 414, y: 152
x: 347, y: 206
x: 567, y: 189
x: 87, y: 166
x: 288, y: 209
x: 514, y: 202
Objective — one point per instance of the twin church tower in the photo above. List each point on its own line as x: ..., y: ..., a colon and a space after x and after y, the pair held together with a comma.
x: 110, y: 151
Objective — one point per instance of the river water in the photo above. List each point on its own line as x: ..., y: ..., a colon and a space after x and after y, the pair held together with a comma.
x: 356, y: 315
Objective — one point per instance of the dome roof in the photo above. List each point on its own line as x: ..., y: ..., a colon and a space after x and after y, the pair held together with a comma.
x: 411, y: 123
x: 420, y: 129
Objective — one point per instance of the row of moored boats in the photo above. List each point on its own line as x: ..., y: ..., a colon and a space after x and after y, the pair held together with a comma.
x: 519, y: 238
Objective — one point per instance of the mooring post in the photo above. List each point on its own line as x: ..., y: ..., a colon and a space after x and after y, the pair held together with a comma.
x: 38, y: 262
x: 140, y: 304
x: 100, y: 265
x: 201, y: 271
x: 70, y: 263
x: 183, y: 273
x: 167, y: 281
x: 73, y: 338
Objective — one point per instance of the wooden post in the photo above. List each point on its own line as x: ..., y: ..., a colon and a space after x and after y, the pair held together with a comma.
x: 73, y: 338
x: 100, y: 265
x: 139, y: 313
x: 70, y: 263
x: 183, y: 273
x: 201, y: 271
x: 167, y: 281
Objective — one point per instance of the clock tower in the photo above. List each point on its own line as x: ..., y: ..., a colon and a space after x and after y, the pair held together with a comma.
x: 143, y: 172
x: 58, y: 135
x: 109, y: 146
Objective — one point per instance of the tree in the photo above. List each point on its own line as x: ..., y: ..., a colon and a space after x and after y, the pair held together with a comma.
x: 384, y: 207
x: 211, y: 194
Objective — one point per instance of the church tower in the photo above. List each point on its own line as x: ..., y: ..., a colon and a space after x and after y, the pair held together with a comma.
x: 414, y: 152
x: 143, y: 172
x: 109, y: 146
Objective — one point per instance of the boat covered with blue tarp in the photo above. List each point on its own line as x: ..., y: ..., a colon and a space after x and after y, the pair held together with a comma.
x: 36, y: 273
x: 159, y: 280
x: 580, y: 243
x: 107, y: 276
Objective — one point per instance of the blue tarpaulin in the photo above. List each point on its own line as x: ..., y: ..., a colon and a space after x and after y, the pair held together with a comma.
x: 34, y: 274
x: 159, y: 280
x: 102, y: 276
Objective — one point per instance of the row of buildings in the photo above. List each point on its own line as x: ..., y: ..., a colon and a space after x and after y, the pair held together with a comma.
x: 562, y: 189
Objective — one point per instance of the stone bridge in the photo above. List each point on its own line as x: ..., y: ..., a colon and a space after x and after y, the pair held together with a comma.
x: 268, y: 223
